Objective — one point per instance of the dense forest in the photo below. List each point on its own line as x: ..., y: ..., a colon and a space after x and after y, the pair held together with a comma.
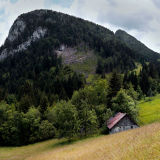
x: 85, y: 113
x: 41, y: 98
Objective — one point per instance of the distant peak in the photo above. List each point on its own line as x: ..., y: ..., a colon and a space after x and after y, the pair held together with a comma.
x: 119, y: 32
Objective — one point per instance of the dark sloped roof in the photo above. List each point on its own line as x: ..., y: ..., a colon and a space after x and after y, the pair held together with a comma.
x: 114, y: 120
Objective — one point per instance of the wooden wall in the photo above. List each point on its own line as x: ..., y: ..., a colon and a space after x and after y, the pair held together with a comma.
x: 125, y: 123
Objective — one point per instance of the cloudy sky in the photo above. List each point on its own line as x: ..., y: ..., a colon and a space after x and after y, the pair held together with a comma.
x: 140, y: 18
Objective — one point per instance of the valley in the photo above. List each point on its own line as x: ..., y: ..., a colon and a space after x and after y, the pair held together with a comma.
x: 63, y: 77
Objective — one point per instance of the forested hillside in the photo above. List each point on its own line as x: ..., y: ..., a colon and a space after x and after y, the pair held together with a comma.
x: 42, y: 97
x: 137, y: 46
x: 60, y: 28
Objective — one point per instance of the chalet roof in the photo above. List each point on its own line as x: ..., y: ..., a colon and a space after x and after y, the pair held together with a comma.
x: 114, y: 120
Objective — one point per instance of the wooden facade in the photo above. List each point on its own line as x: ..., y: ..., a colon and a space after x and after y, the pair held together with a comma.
x: 120, y: 122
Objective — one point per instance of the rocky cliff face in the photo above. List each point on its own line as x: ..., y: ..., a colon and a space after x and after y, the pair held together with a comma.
x: 35, y: 25
x: 15, y: 31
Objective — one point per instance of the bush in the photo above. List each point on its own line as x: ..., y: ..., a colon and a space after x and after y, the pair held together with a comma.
x: 104, y: 130
x: 154, y: 93
x: 158, y: 88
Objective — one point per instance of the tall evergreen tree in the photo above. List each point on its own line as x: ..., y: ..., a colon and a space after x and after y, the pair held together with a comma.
x: 63, y: 95
x: 43, y: 104
x: 152, y: 70
x: 114, y: 86
x: 144, y: 83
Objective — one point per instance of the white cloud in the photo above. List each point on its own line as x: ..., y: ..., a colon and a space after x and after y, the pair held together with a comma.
x: 138, y: 18
x: 12, y: 11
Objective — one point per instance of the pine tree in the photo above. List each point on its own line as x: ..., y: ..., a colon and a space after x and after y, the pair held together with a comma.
x: 144, y: 83
x: 114, y: 86
x: 63, y: 95
x: 140, y: 93
x: 24, y: 104
x: 152, y: 70
x: 43, y: 104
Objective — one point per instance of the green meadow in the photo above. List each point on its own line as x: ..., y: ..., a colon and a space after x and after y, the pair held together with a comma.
x: 149, y: 110
x: 141, y: 143
x: 138, y: 68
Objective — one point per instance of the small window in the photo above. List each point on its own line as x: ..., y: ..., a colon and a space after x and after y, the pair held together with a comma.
x: 131, y: 127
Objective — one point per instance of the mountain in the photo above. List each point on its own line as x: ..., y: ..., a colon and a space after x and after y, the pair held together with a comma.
x: 42, y: 63
x: 76, y: 40
x: 136, y: 45
x: 42, y: 42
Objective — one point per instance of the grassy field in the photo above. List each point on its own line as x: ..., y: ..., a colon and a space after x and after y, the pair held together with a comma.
x: 90, y: 78
x: 149, y: 110
x: 88, y: 66
x: 141, y: 143
x: 139, y: 67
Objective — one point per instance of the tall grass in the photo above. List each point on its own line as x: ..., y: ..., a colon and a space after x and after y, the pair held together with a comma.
x: 149, y: 110
x: 141, y: 143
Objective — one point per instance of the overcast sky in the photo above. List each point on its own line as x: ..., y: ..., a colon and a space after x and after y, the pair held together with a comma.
x: 140, y: 18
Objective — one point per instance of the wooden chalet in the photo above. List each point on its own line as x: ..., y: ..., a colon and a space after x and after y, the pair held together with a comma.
x: 120, y: 122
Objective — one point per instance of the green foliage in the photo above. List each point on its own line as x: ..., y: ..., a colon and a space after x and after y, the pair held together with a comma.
x: 114, y: 86
x: 140, y: 93
x: 88, y: 118
x: 24, y: 104
x: 66, y: 119
x: 63, y: 95
x: 154, y: 93
x: 141, y: 49
x: 131, y: 92
x: 11, y: 99
x: 33, y: 81
x: 158, y: 88
x: 149, y: 93
x: 46, y: 130
x: 43, y: 104
x: 149, y: 110
x: 125, y: 104
x: 95, y: 93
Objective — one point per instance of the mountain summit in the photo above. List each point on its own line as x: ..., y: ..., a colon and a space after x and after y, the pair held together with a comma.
x: 136, y: 45
x: 76, y: 40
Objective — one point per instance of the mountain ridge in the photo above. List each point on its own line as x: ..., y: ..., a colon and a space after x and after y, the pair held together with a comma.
x: 135, y: 44
x: 114, y: 49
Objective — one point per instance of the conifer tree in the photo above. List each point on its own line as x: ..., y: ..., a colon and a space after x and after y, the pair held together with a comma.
x: 152, y: 70
x: 140, y: 93
x: 43, y: 104
x: 63, y: 95
x: 144, y: 83
x: 114, y: 86
x: 24, y: 104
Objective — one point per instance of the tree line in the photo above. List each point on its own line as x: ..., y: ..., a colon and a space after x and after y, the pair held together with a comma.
x: 85, y: 113
x: 146, y: 83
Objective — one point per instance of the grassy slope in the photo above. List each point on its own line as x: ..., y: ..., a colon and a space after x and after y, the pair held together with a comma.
x: 149, y: 110
x: 139, y: 67
x: 88, y: 66
x: 141, y: 143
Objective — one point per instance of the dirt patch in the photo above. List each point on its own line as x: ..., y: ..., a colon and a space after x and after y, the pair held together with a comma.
x: 71, y: 55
